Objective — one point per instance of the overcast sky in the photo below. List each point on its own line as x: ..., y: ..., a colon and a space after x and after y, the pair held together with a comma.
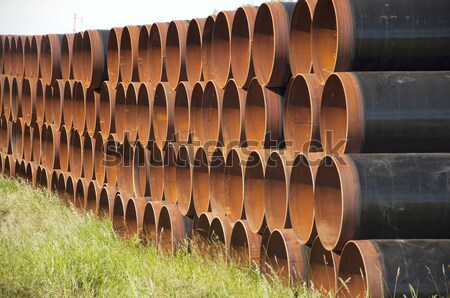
x: 56, y: 16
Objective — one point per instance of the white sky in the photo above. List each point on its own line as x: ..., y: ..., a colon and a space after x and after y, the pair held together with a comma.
x: 29, y: 17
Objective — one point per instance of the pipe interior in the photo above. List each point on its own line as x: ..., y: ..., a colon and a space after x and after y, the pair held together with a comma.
x: 200, y: 183
x: 36, y: 140
x: 113, y: 56
x: 196, y: 114
x: 75, y: 151
x: 40, y: 102
x: 165, y: 230
x: 255, y: 114
x: 183, y: 179
x: 144, y: 114
x: 173, y: 53
x: 277, y: 255
x: 140, y: 172
x: 155, y: 54
x: 216, y: 231
x: 103, y: 206
x: 149, y: 228
x: 118, y: 216
x: 231, y: 116
x: 194, y: 51
x: 46, y: 59
x: 99, y: 157
x: 126, y: 55
x: 26, y: 100
x: 66, y: 49
x: 156, y: 174
x: 143, y: 54
x: 352, y: 271
x: 264, y: 42
x: 64, y: 149
x: 241, y: 46
x: 216, y: 182
x: 276, y: 202
x: 91, y: 199
x: 321, y: 268
x: 88, y: 158
x: 90, y: 104
x: 221, y: 44
x: 182, y: 119
x: 131, y: 218
x: 234, y: 186
x: 107, y: 94
x: 239, y: 244
x: 254, y: 192
x: 120, y: 118
x: 170, y: 175
x: 210, y: 114
x: 79, y: 194
x: 202, y: 228
x: 300, y: 38
x: 160, y: 115
x: 112, y: 161
x: 208, y: 72
x: 132, y: 111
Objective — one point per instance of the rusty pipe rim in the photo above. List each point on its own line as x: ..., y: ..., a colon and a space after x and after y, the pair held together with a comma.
x: 145, y: 99
x: 173, y: 228
x: 241, y: 45
x: 99, y: 145
x: 300, y: 55
x: 107, y: 108
x: 50, y: 58
x: 254, y: 190
x: 216, y: 183
x: 185, y: 165
x: 35, y: 55
x: 176, y: 53
x: 119, y: 208
x: 221, y: 47
x: 28, y: 101
x: 31, y: 173
x: 50, y: 147
x: 105, y: 202
x: 194, y: 49
x: 220, y: 232
x: 92, y: 111
x: 36, y: 132
x: 81, y: 187
x: 182, y: 112
x: 195, y: 112
x: 141, y: 170
x: 125, y: 177
x: 112, y: 159
x: 263, y: 116
x: 9, y: 166
x: 170, y: 174
x: 163, y: 114
x: 5, y: 138
x: 157, y: 52
x: 134, y: 216
x: 201, y: 228
x: 156, y: 173
x: 150, y: 221
x: 360, y: 268
x: 41, y: 91
x: 287, y: 257
x: 64, y: 143
x: 207, y: 59
x: 113, y: 56
x: 66, y: 56
x: 331, y: 37
x: 342, y: 127
x: 92, y: 196
x: 200, y: 182
x: 211, y: 111
x: 271, y: 43
x: 88, y: 157
x: 233, y: 115
x: 75, y: 110
x: 301, y: 199
x: 76, y: 154
x: 7, y: 93
x: 27, y: 143
x: 94, y: 51
x: 129, y: 43
x: 17, y: 134
x: 323, y: 268
x: 20, y: 57
x: 233, y: 177
x: 16, y: 99
x: 132, y: 111
x: 336, y: 201
x: 77, y: 56
x: 143, y: 53
x: 244, y: 245
x: 302, y: 113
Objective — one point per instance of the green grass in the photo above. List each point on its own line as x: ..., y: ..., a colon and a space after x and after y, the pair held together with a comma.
x: 50, y: 250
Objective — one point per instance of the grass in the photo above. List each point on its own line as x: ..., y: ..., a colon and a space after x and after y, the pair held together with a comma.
x: 49, y: 250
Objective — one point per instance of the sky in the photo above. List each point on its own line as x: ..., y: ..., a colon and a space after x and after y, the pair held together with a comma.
x: 29, y: 17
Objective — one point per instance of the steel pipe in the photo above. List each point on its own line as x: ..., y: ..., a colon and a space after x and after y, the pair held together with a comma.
x: 2, y: 82
x: 17, y: 132
x: 50, y: 58
x: 76, y: 154
x: 9, y: 166
x: 156, y: 173
x: 216, y: 181
x: 35, y: 57
x: 134, y: 216
x: 31, y: 173
x: 150, y: 221
x: 55, y: 107
x: 173, y: 229
x: 100, y: 158
x: 6, y: 91
x: 141, y: 170
x: 212, y: 114
x: 263, y: 116
x: 221, y: 47
x: 132, y: 111
x: 120, y: 112
x: 263, y: 252
x: 170, y: 174
x: 42, y: 91
x: 302, y: 113
x: 93, y: 196
x: 105, y: 205
x: 2, y: 53
x: 271, y: 43
x: 200, y: 182
x: 207, y: 57
x: 351, y: 204
x: 5, y: 135
x: 195, y: 112
x: 220, y: 233
x: 194, y: 50
x: 27, y: 144
x: 376, y: 125
x: 19, y: 60
x: 163, y: 118
x: 88, y: 157
x: 77, y: 56
x: 125, y: 175
x: 26, y: 56
x: 15, y: 99
x: 201, y: 230
x: 119, y: 208
x: 145, y: 98
x: 50, y: 147
x: 66, y: 56
x: 28, y: 101
x: 346, y: 36
x: 374, y: 268
x: 8, y: 55
x: 241, y: 45
x: 36, y: 132
x: 157, y: 52
x: 245, y: 245
x: 113, y: 56
x: 129, y: 43
x: 143, y: 53
x: 182, y: 120
x: 75, y: 110
x: 95, y: 47
x: 233, y: 115
x: 185, y: 165
x: 81, y: 187
x: 176, y: 53
x: 54, y: 181
x: 92, y: 109
x: 43, y: 177
x: 112, y: 159
x: 107, y: 108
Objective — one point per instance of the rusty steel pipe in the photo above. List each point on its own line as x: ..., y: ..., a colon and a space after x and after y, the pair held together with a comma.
x: 216, y: 181
x: 28, y: 101
x: 263, y: 255
x: 287, y: 257
x: 50, y: 58
x: 8, y: 55
x: 27, y: 143
x: 211, y: 111
x: 157, y: 52
x: 134, y: 216
x: 200, y: 232
x: 64, y: 142
x: 36, y: 131
x: 66, y: 56
x: 323, y: 269
x: 300, y: 55
x: 19, y: 60
x: 7, y: 93
x: 119, y: 111
x: 113, y: 56
x: 17, y: 132
x: 50, y: 147
x: 143, y: 53
x: 170, y: 173
x: 76, y: 154
x: 35, y: 55
x: 185, y: 165
x: 95, y: 47
x: 173, y: 229
x: 345, y: 36
x: 107, y: 108
x: 207, y: 57
x: 54, y: 106
x: 200, y: 182
x: 194, y: 50
x: 150, y: 221
x: 2, y: 53
x: 302, y: 113
x: 221, y: 47
x: 125, y: 175
x: 263, y: 116
x: 145, y: 99
x: 182, y: 120
x: 92, y: 111
x: 98, y: 143
x: 357, y: 115
x: 132, y: 111
x: 112, y: 159
x: 129, y: 43
x: 105, y: 204
x: 156, y: 173
x: 54, y: 181
x: 9, y: 166
x: 195, y: 112
x: 88, y: 157
x: 163, y: 115
x: 233, y: 115
x: 241, y: 45
x: 373, y: 268
x: 77, y: 56
x: 271, y: 43
x: 75, y: 112
x: 351, y: 204
x: 2, y: 82
x: 220, y: 232
x: 80, y: 200
x: 244, y: 245
x: 254, y: 190
x: 15, y: 99
x: 92, y: 196
x: 42, y: 91
x: 301, y: 198
x: 31, y: 173
x: 5, y: 135
x: 45, y: 179
x: 119, y: 208
x: 176, y: 53
x: 26, y: 57
x: 141, y: 170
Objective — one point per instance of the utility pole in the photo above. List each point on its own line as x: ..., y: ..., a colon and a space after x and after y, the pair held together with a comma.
x: 75, y: 18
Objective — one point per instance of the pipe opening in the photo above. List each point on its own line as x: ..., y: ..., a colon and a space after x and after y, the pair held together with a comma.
x: 132, y: 111
x: 264, y: 42
x: 241, y: 46
x: 254, y: 192
x: 77, y: 58
x: 19, y: 61
x: 322, y: 268
x: 277, y: 255
x: 143, y: 54
x: 144, y: 113
x: 70, y: 188
x: 216, y: 182
x: 28, y: 95
x: 240, y: 246
x: 202, y: 228
x: 141, y: 161
x: 150, y: 222
x: 16, y: 90
x: 160, y: 116
x: 165, y: 237
x: 125, y: 177
x: 328, y: 203
x: 88, y: 158
x: 64, y: 143
x: 91, y: 197
x: 46, y: 61
x: 255, y: 113
x: 120, y: 118
x: 79, y: 194
x: 91, y: 108
x: 27, y: 143
x: 30, y: 173
x: 66, y: 56
x: 182, y: 119
x: 47, y: 149
x: 300, y: 39
x: 4, y: 134
x: 54, y: 181
x: 36, y: 143
x: 353, y: 271
x: 17, y: 139
x: 194, y: 51
x: 217, y: 231
x: 234, y: 186
x: 232, y: 115
x: 170, y: 175
x: 41, y: 91
x: 131, y: 218
x: 7, y: 97
x: 207, y: 59
x: 184, y: 179
x: 76, y: 154
x: 196, y: 126
x: 26, y: 57
x: 211, y: 113
x: 156, y: 174
x: 99, y: 158
x: 126, y: 55
x: 103, y: 206
x: 75, y: 109
x: 107, y: 99
x: 221, y: 47
x: 200, y: 183
x: 157, y: 52
x: 118, y: 216
x: 113, y: 57
x: 174, y: 53
x: 8, y: 170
